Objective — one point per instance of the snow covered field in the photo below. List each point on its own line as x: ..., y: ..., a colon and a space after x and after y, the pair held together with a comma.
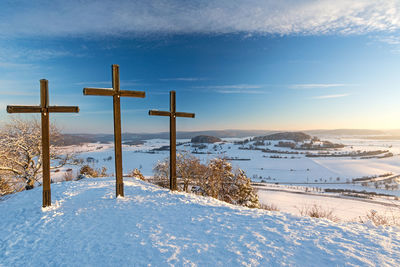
x: 296, y: 168
x: 306, y: 172
x: 343, y: 209
x: 88, y: 226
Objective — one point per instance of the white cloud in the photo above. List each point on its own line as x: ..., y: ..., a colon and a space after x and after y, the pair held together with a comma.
x: 125, y: 18
x: 330, y: 96
x: 231, y: 86
x: 317, y: 85
x: 18, y: 53
x: 183, y: 79
x: 241, y: 92
x: 234, y: 89
x: 108, y: 83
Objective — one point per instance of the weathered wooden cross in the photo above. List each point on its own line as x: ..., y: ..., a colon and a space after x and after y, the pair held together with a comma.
x: 116, y: 93
x: 172, y: 114
x: 44, y: 109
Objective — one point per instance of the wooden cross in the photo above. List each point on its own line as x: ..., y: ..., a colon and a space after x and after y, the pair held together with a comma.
x: 44, y: 109
x: 172, y: 114
x: 116, y: 93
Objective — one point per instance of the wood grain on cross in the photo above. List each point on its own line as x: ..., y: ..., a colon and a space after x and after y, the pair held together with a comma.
x: 116, y: 93
x: 172, y: 114
x: 44, y: 109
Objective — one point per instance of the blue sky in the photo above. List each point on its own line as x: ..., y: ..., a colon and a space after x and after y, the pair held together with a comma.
x: 287, y: 65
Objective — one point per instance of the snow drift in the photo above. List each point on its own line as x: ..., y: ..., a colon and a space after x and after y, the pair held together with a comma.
x: 152, y: 226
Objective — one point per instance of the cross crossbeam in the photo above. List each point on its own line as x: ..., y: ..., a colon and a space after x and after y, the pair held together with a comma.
x: 172, y: 114
x: 116, y: 93
x: 44, y: 109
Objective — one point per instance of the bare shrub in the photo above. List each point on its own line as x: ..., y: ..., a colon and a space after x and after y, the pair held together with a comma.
x: 317, y: 211
x: 161, y: 173
x: 88, y: 171
x: 92, y: 172
x: 380, y: 219
x: 189, y: 169
x: 137, y: 174
x: 68, y: 176
x: 270, y: 207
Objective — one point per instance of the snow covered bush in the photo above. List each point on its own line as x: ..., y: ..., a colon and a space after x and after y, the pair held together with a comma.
x: 223, y: 183
x: 216, y: 179
x: 21, y: 153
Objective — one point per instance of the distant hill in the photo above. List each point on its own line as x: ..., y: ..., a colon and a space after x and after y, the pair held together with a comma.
x: 76, y: 139
x: 294, y: 136
x: 338, y: 132
x: 205, y: 139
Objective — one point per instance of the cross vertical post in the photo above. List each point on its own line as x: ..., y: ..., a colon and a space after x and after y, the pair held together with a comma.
x: 172, y: 135
x: 117, y: 132
x: 44, y: 109
x: 44, y: 103
x: 116, y: 93
x: 172, y: 141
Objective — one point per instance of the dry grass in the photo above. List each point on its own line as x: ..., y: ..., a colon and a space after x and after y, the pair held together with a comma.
x: 270, y: 207
x: 317, y: 211
x: 381, y: 219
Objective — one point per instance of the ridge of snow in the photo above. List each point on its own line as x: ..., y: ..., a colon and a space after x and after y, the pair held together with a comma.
x: 87, y: 225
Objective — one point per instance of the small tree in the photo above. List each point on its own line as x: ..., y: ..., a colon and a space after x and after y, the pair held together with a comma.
x: 21, y: 151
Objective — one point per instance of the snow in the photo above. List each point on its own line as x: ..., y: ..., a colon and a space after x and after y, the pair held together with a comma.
x: 151, y: 226
x: 344, y: 209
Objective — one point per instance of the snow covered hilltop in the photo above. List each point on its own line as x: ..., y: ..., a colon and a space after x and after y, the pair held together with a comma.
x: 152, y: 226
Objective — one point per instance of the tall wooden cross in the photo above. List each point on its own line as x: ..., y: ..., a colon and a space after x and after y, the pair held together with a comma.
x: 116, y: 93
x: 172, y: 114
x: 44, y: 109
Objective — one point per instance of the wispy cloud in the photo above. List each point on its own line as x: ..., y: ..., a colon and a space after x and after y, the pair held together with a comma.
x: 392, y: 41
x: 234, y: 88
x: 183, y: 79
x: 330, y: 96
x: 111, y: 112
x: 317, y: 85
x: 107, y: 83
x: 12, y: 54
x: 241, y: 92
x: 9, y: 65
x: 231, y: 86
x: 125, y: 17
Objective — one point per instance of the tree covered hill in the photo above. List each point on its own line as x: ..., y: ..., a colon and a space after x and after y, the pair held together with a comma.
x: 87, y: 225
x: 294, y: 136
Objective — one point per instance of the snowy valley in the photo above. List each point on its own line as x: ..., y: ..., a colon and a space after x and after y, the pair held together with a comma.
x: 350, y: 184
